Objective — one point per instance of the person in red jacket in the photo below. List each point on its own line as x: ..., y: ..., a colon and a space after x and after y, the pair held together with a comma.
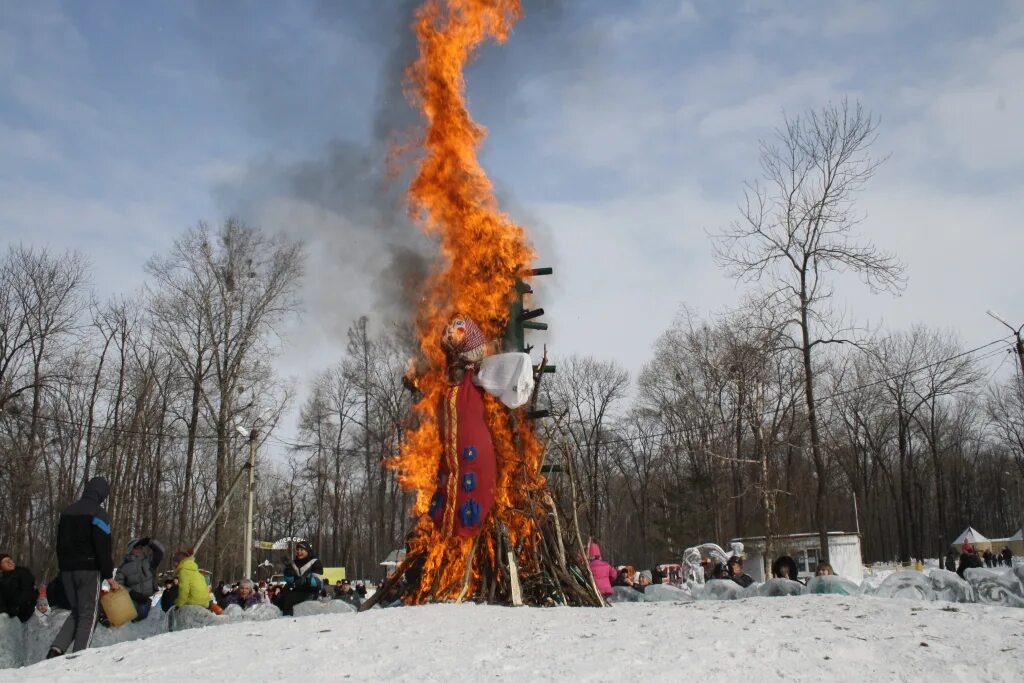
x: 604, y: 573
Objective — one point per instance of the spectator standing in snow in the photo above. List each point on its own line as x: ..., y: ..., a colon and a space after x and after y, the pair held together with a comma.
x: 968, y: 559
x: 84, y: 557
x: 824, y: 569
x: 736, y: 573
x: 17, y: 589
x: 244, y: 596
x: 361, y: 590
x: 192, y: 588
x: 1007, y: 555
x: 137, y: 573
x: 785, y: 567
x: 987, y: 556
x: 303, y: 576
x: 603, y: 572
x: 709, y: 571
x: 951, y: 557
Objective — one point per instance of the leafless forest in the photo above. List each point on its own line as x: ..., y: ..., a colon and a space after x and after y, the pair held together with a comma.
x: 779, y: 416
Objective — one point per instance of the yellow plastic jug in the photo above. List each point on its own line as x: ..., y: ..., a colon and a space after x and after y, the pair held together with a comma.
x: 118, y: 607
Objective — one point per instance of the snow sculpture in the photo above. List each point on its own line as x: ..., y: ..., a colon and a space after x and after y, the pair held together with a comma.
x: 832, y: 585
x: 625, y: 594
x: 909, y: 584
x: 775, y: 588
x: 191, y: 616
x: 950, y: 587
x: 314, y: 607
x: 719, y: 589
x: 693, y: 572
x: 661, y: 592
x: 995, y: 587
x: 11, y: 645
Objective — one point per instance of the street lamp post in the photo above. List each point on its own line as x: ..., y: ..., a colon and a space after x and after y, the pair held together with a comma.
x: 253, y: 434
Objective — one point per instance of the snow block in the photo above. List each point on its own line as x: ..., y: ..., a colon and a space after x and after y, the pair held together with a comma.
x: 832, y: 585
x: 994, y: 587
x: 313, y: 607
x: 950, y: 587
x: 624, y: 594
x: 719, y: 589
x: 661, y: 592
x: 40, y: 631
x: 909, y: 585
x: 192, y: 616
x: 776, y: 588
x: 11, y: 642
x: 262, y: 612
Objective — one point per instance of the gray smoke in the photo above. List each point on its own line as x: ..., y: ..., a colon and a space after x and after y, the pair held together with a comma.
x: 365, y: 256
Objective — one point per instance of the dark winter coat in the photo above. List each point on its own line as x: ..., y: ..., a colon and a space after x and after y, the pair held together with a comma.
x: 305, y: 576
x: 56, y: 596
x: 951, y: 561
x: 137, y: 573
x: 1007, y: 557
x: 83, y: 532
x: 785, y: 561
x: 968, y: 561
x: 743, y: 580
x: 17, y: 593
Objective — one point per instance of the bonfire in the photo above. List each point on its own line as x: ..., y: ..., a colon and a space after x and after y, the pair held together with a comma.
x: 487, y: 527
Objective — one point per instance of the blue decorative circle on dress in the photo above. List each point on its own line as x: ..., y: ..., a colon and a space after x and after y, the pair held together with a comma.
x: 469, y: 482
x: 469, y: 453
x: 469, y: 514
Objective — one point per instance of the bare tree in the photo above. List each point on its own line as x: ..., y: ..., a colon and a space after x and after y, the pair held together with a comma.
x: 797, y: 229
x: 584, y: 398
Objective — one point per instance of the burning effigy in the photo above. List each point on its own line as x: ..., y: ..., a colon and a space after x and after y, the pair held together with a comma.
x: 486, y: 527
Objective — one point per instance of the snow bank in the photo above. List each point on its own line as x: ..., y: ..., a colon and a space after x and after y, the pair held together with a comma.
x: 314, y: 607
x: 803, y: 638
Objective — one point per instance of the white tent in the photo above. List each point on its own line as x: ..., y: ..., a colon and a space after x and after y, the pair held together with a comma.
x: 970, y: 534
x: 1019, y: 536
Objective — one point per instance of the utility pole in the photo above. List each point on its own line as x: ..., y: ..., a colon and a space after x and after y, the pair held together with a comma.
x: 1017, y: 333
x: 253, y: 434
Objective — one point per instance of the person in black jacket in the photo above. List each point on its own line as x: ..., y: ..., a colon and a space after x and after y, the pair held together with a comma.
x: 303, y: 576
x: 735, y: 565
x: 85, y: 559
x: 785, y: 567
x: 1007, y: 556
x: 968, y: 560
x: 17, y: 589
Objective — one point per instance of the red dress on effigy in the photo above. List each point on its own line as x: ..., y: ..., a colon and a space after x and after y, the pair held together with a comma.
x: 467, y: 475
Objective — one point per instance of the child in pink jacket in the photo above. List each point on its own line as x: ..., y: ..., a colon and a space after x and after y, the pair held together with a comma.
x: 603, y: 572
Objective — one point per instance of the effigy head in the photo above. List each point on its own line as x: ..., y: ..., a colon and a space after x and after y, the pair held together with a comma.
x: 463, y: 340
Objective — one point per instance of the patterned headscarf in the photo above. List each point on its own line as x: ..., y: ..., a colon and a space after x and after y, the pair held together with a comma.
x: 463, y: 339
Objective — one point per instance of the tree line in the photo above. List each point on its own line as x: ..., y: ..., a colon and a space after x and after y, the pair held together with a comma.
x: 775, y: 417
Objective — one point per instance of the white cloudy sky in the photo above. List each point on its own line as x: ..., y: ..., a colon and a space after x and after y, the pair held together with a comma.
x: 621, y: 132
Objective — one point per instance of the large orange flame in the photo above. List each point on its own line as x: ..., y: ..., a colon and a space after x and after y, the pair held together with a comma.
x: 483, y: 252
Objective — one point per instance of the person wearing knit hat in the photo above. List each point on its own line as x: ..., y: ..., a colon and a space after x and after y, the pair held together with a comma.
x: 304, y: 578
x: 17, y: 589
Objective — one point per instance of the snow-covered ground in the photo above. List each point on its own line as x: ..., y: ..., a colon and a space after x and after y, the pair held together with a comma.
x: 809, y: 637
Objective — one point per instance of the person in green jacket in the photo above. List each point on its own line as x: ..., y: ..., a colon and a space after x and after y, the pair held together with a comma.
x: 192, y: 588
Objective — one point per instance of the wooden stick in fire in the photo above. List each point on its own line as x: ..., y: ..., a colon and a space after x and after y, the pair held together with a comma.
x: 390, y: 582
